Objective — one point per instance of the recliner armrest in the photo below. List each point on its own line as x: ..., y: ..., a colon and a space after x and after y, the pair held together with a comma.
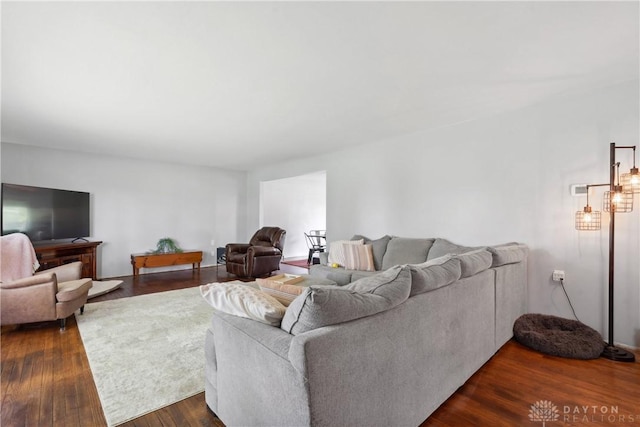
x: 239, y: 248
x: 263, y: 251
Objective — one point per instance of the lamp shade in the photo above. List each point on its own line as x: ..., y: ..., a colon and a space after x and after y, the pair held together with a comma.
x: 631, y: 181
x: 617, y: 201
x: 586, y: 220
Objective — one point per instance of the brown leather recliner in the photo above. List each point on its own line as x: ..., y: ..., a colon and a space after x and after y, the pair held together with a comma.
x: 260, y: 257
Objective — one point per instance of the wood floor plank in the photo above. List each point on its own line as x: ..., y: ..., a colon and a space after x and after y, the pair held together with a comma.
x: 46, y: 379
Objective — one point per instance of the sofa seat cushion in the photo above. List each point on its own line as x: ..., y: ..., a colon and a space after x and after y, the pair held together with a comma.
x: 338, y: 275
x: 473, y: 262
x: 434, y: 274
x: 404, y: 250
x: 322, y: 306
x: 357, y: 275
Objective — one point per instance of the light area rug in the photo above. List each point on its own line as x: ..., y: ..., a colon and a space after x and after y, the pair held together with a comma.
x: 145, y: 352
x: 103, y: 286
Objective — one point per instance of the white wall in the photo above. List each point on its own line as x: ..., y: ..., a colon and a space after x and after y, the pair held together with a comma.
x: 501, y: 179
x: 134, y: 202
x: 297, y: 204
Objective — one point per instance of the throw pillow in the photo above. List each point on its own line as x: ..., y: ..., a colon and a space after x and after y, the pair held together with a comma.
x: 434, y: 274
x: 336, y: 251
x: 378, y: 247
x: 358, y: 257
x: 474, y: 262
x: 323, y: 306
x: 243, y: 301
x: 282, y: 292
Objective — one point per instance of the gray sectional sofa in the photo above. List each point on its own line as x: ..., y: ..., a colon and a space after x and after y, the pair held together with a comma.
x: 385, y: 349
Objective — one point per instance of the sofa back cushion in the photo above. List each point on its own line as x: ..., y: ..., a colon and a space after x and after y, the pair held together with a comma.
x: 322, y: 306
x: 378, y: 247
x: 508, y: 253
x: 442, y: 247
x: 473, y: 262
x: 434, y: 274
x: 404, y: 250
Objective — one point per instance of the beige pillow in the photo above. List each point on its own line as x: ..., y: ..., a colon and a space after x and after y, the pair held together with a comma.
x: 358, y: 257
x: 241, y: 300
x: 336, y: 251
x: 282, y: 292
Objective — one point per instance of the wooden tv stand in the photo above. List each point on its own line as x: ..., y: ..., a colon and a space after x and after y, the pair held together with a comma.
x: 55, y: 253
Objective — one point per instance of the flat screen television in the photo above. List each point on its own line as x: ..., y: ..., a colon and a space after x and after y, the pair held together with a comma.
x: 44, y: 213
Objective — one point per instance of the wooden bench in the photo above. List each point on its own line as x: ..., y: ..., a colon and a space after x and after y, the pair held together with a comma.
x: 150, y: 260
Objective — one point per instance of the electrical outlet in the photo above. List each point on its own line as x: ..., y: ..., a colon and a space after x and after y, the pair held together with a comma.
x: 558, y: 275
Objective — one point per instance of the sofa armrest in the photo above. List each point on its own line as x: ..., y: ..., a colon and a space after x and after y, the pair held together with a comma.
x: 254, y: 251
x: 252, y: 375
x: 271, y: 337
x: 66, y: 272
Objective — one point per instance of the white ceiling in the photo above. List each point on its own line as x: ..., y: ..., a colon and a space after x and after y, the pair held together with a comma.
x: 240, y: 84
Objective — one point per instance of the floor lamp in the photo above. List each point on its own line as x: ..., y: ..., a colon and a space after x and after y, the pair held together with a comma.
x: 619, y: 199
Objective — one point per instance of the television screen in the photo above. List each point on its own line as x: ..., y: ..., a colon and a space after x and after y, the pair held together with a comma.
x: 44, y: 213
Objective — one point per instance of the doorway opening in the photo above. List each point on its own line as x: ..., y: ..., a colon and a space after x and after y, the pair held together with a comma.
x: 297, y: 204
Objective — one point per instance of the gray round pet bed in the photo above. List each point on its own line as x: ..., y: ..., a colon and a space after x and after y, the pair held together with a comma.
x: 558, y: 336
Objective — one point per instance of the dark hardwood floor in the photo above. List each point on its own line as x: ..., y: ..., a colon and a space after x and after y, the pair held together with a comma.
x: 46, y: 380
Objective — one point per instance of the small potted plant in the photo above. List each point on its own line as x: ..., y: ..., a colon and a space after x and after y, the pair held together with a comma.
x: 166, y: 245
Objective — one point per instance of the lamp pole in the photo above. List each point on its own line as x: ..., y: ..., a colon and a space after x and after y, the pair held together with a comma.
x: 611, y: 351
